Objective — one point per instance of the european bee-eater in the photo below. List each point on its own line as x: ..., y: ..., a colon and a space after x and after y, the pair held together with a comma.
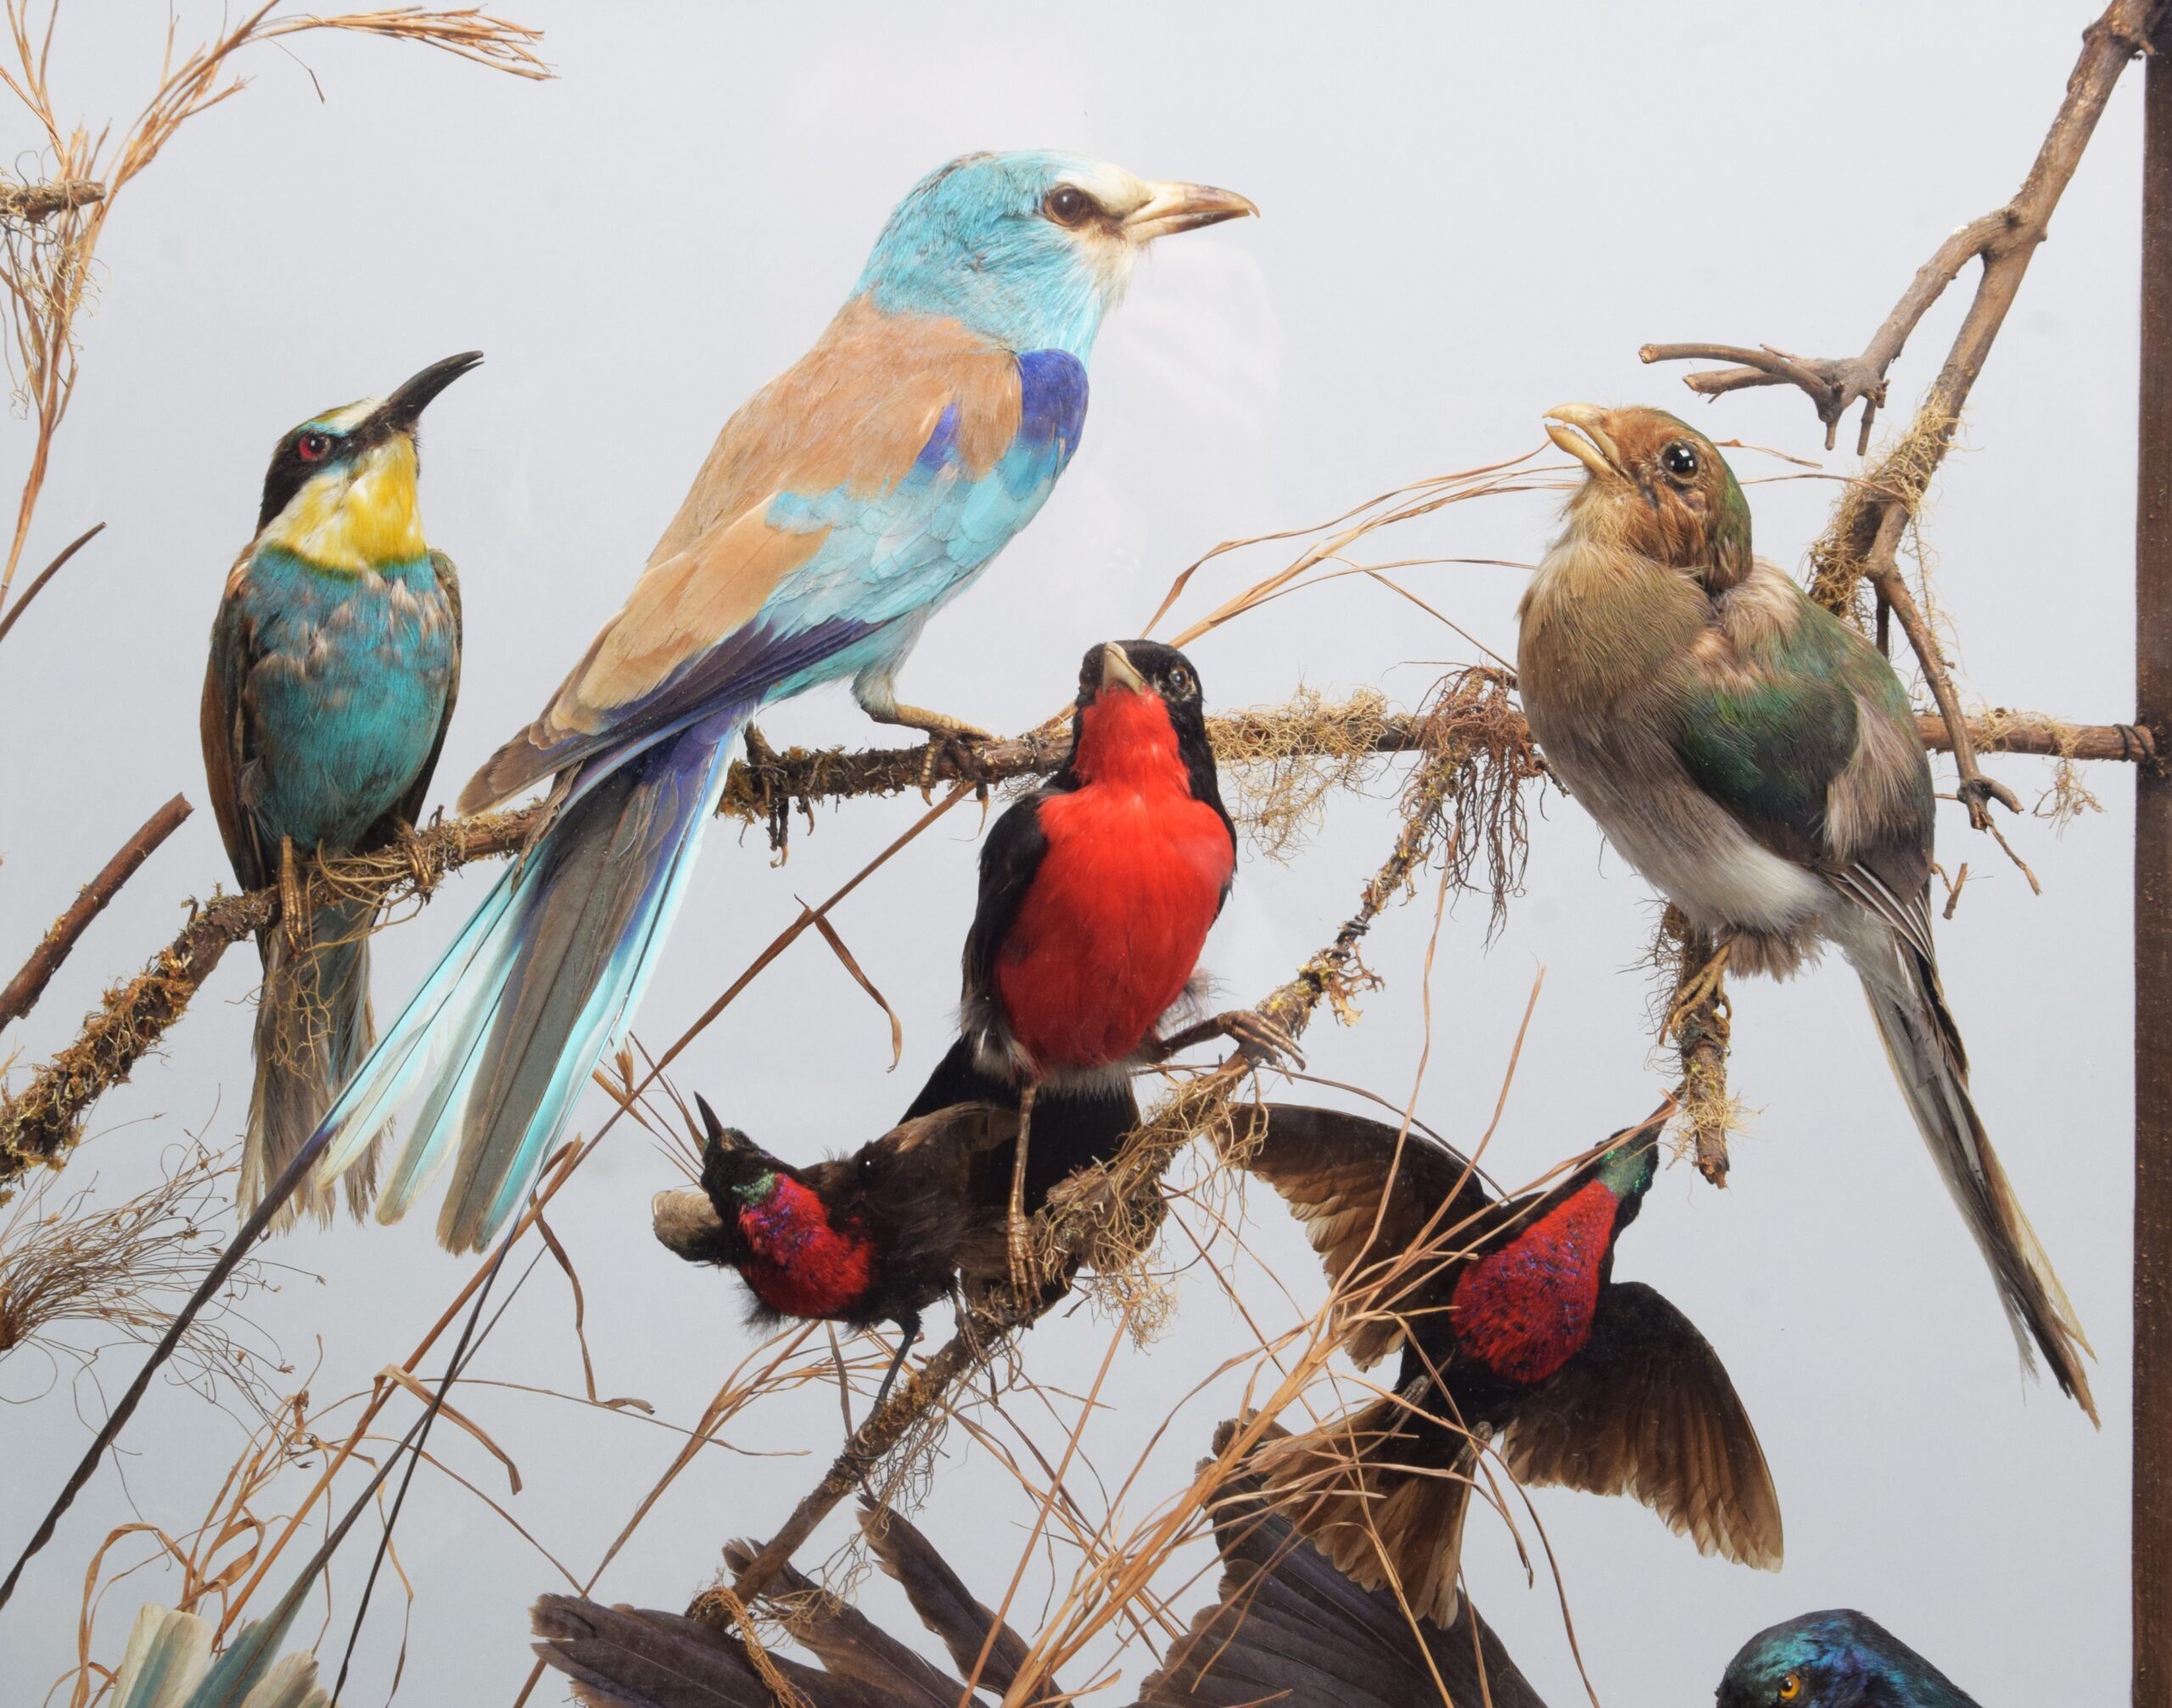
x: 1757, y: 760
x: 334, y: 663
x: 1839, y: 1658
x: 837, y: 510
x: 1513, y: 1330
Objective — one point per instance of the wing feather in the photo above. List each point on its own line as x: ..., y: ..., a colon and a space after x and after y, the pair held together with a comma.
x: 1332, y: 1169
x: 882, y: 444
x: 1646, y: 1409
x: 229, y: 742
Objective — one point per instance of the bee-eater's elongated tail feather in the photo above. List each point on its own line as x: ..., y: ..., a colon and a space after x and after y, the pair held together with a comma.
x: 506, y: 1030
x: 1923, y: 1044
x: 312, y: 1031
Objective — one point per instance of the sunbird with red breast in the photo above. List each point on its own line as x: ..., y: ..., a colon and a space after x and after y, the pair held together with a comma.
x: 1097, y: 892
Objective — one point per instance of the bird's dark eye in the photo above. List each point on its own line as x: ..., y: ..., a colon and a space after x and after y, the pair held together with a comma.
x: 1680, y: 460
x: 1180, y: 680
x: 1066, y: 204
x: 312, y: 447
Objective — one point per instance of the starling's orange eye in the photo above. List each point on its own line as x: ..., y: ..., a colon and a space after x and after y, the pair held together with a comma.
x: 1790, y: 1686
x: 1067, y: 205
x: 1681, y: 460
x: 312, y: 447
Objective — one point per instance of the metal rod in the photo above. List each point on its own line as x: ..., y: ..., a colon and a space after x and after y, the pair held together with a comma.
x: 2153, y: 900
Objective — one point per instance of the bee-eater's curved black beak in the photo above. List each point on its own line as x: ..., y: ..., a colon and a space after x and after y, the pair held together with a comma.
x: 404, y: 408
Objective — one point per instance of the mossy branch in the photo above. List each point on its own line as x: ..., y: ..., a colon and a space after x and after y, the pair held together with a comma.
x: 40, y: 1123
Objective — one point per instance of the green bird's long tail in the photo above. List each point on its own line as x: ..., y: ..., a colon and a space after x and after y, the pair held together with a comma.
x: 313, y: 1028
x: 1923, y: 1045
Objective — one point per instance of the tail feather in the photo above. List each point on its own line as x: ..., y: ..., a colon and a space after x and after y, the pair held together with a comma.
x: 508, y: 1028
x: 313, y: 1028
x: 1367, y: 1492
x: 1923, y: 1045
x: 1289, y: 1629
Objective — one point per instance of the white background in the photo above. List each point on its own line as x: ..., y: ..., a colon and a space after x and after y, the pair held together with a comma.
x: 1469, y: 215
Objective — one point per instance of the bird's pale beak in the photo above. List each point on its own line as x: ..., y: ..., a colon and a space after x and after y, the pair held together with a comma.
x: 404, y: 408
x: 1574, y: 427
x: 1117, y: 671
x: 1183, y: 207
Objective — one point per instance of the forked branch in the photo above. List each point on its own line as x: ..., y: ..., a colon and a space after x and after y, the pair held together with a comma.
x: 1863, y: 540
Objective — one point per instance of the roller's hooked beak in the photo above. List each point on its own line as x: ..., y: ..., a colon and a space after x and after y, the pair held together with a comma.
x: 404, y: 408
x: 1576, y: 428
x: 1183, y: 207
x: 1117, y: 670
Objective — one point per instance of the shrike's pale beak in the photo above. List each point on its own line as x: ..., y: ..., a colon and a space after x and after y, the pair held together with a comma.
x: 1574, y: 427
x: 1183, y: 207
x: 1117, y: 670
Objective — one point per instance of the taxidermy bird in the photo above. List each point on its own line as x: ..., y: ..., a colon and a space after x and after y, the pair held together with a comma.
x: 837, y: 510
x: 1755, y: 758
x: 1097, y: 891
x: 1291, y: 1630
x: 334, y: 663
x: 876, y: 1237
x: 1288, y: 1630
x: 626, y: 1657
x: 1834, y: 1659
x: 169, y: 1664
x: 1513, y: 1330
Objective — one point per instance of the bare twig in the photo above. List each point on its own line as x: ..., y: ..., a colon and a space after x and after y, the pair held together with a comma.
x: 1867, y: 528
x: 44, y: 575
x: 25, y: 988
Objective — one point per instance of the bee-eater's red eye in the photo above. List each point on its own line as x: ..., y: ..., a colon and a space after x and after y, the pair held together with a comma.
x: 311, y: 447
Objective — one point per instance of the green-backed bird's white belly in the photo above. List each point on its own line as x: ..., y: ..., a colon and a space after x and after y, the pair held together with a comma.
x: 349, y: 693
x: 1599, y: 653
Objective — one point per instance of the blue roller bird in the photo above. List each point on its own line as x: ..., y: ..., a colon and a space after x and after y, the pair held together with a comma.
x: 335, y: 661
x: 846, y: 502
x: 1837, y: 1658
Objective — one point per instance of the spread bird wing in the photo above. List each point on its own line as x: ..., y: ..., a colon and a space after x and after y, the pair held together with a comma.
x: 946, y: 1606
x: 850, y: 1644
x: 849, y: 494
x: 1291, y: 1630
x: 626, y: 1657
x: 1332, y: 1169
x: 1647, y: 1410
x: 229, y: 737
x: 1801, y: 730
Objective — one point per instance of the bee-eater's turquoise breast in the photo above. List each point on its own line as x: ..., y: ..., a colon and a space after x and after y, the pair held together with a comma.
x: 350, y: 690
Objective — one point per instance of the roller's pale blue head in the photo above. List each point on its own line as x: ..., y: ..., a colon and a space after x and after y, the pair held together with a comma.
x: 1837, y: 1658
x: 1029, y: 249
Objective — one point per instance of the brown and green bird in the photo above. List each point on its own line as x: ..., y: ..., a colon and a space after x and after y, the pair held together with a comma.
x: 1514, y: 1332
x: 1757, y: 760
